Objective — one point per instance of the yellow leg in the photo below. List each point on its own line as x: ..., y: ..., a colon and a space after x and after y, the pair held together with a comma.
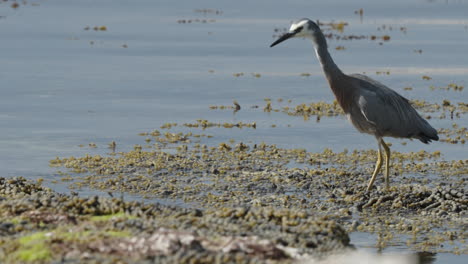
x: 387, y: 164
x: 378, y: 165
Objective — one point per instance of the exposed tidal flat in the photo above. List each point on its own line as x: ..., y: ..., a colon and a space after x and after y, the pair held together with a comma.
x: 243, y: 204
x: 39, y: 225
x: 246, y: 215
x: 234, y: 202
x: 169, y: 132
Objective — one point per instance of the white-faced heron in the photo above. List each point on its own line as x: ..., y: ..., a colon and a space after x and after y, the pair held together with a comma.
x: 372, y: 107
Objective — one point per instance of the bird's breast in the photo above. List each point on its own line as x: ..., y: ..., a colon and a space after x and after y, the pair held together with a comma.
x: 344, y: 96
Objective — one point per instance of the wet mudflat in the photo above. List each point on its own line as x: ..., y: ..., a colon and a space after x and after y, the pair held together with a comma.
x: 190, y: 130
x: 241, y: 204
x: 41, y: 226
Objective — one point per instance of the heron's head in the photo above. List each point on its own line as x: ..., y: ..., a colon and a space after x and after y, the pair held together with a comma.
x: 304, y: 28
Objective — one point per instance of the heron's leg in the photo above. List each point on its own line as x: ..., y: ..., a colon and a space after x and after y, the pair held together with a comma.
x: 387, y: 164
x: 378, y: 165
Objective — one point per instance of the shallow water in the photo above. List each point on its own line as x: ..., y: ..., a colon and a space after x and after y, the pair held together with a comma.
x: 63, y: 86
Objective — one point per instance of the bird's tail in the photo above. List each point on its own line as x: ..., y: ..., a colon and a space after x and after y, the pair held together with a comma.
x: 426, y: 139
x: 428, y: 133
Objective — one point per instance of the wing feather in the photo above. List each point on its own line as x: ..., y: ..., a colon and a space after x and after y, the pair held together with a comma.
x: 389, y: 113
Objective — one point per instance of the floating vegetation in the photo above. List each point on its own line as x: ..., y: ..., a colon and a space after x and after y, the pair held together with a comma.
x: 314, y: 109
x: 206, y: 11
x: 96, y: 28
x: 454, y: 135
x: 340, y: 48
x: 253, y: 74
x: 256, y: 75
x: 446, y: 109
x: 359, y: 12
x: 112, y: 145
x: 449, y: 87
x: 268, y: 107
x: 427, y: 78
x: 236, y: 106
x: 221, y: 107
x: 100, y: 28
x: 203, y: 123
x: 196, y: 20
x: 329, y: 29
x: 344, y: 37
x: 390, y: 28
x: 382, y: 72
x: 173, y: 138
x: 384, y: 37
x: 432, y: 110
x: 338, y: 26
x: 169, y: 137
x: 168, y: 125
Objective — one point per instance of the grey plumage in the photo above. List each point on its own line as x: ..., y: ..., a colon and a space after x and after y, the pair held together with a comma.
x: 372, y: 107
x: 380, y: 111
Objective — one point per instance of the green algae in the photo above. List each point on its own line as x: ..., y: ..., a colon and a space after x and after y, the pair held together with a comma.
x: 33, y: 248
x: 117, y: 234
x: 37, y: 247
x: 74, y: 234
x: 34, y: 253
x: 16, y: 220
x: 119, y: 215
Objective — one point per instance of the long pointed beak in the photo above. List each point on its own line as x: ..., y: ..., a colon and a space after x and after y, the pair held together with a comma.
x: 283, y: 38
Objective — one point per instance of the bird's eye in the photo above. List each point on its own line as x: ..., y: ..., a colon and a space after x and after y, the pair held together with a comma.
x: 298, y: 29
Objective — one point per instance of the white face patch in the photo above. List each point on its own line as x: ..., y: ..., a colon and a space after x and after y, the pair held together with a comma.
x: 294, y: 26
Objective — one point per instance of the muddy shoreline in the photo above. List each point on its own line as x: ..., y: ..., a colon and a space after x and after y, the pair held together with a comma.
x: 39, y: 225
x: 249, y: 203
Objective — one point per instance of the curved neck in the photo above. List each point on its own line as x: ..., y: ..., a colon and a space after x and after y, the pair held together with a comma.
x: 336, y: 78
x: 328, y: 65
